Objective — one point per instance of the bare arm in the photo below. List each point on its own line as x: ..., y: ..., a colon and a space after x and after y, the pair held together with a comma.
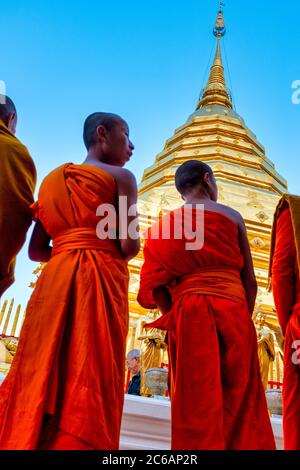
x: 129, y: 222
x: 247, y: 274
x: 162, y: 299
x: 39, y: 246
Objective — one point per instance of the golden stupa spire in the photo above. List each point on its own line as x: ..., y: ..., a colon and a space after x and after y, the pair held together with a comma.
x: 215, y: 92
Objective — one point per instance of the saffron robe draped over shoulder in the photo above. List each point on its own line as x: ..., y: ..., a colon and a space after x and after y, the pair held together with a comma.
x: 217, y: 397
x: 69, y: 366
x: 284, y: 267
x: 17, y: 185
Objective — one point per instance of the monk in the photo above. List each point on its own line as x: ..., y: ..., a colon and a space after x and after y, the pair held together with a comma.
x: 207, y: 296
x: 17, y: 185
x: 65, y: 389
x: 284, y: 268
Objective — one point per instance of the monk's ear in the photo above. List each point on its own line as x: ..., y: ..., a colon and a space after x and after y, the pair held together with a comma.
x: 101, y: 133
x: 206, y: 178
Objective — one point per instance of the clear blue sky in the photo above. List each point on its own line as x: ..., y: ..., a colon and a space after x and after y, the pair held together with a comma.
x: 62, y: 60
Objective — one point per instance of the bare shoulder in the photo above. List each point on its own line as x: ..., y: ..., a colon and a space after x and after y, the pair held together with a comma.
x: 232, y: 214
x: 125, y: 180
x: 121, y: 175
x: 125, y: 175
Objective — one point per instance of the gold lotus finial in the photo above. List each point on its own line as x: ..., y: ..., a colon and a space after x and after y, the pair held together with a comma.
x: 220, y: 29
x: 216, y: 93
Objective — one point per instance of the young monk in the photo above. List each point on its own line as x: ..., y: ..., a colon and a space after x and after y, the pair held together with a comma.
x: 284, y: 267
x: 66, y: 385
x: 17, y: 185
x: 207, y: 297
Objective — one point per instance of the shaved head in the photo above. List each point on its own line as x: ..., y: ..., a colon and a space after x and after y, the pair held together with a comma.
x: 190, y: 175
x: 107, y: 120
x: 8, y: 112
x: 7, y: 106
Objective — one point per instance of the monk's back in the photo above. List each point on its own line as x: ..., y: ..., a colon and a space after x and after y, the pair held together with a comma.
x: 220, y: 236
x: 70, y: 196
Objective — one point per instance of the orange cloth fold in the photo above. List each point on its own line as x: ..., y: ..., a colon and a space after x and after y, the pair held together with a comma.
x: 220, y: 281
x: 286, y: 291
x: 82, y: 239
x: 55, y: 439
x: 70, y: 361
x: 293, y: 203
x: 217, y: 397
x: 17, y: 185
x: 224, y: 283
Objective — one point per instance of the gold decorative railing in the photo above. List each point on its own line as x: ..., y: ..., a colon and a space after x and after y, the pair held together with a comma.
x: 10, y: 321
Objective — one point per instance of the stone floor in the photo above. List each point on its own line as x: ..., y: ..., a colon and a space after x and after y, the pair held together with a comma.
x: 146, y: 424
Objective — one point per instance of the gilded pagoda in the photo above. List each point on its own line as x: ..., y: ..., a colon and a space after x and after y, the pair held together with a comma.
x: 247, y: 180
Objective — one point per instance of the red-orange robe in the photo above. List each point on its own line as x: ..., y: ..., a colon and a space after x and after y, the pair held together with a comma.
x: 17, y: 185
x: 217, y: 397
x: 69, y: 368
x: 286, y: 290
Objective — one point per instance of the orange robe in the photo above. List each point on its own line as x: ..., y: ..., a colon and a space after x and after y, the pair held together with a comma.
x: 217, y: 397
x: 286, y: 290
x: 17, y: 184
x: 65, y: 389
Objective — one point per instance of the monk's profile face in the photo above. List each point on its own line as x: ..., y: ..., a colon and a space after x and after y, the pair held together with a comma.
x: 211, y: 183
x: 8, y: 113
x: 116, y: 145
x: 12, y: 123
